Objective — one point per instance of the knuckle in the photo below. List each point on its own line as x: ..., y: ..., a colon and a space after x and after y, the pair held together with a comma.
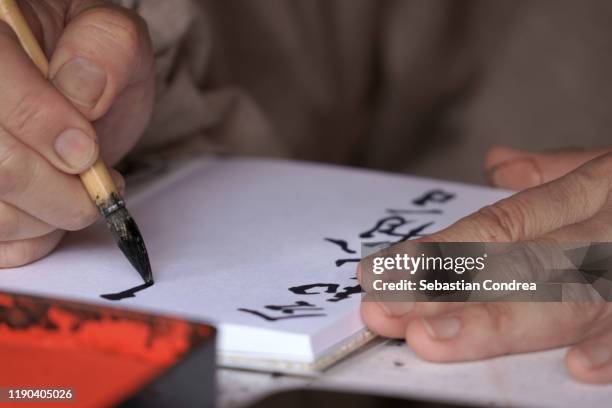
x: 603, y: 164
x: 597, y: 171
x: 28, y: 110
x: 592, y: 316
x: 531, y: 260
x: 9, y: 225
x: 13, y: 254
x: 501, y: 318
x: 595, y: 177
x: 12, y: 160
x: 121, y: 31
x: 588, y: 176
x: 502, y: 221
x: 18, y: 253
x: 82, y: 217
x: 587, y: 184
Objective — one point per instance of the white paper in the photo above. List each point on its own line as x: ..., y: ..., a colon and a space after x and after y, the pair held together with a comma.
x: 233, y: 234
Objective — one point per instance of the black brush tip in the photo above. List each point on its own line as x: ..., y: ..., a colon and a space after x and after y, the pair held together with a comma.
x: 129, y: 239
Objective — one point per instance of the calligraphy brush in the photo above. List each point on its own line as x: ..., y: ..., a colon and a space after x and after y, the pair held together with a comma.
x: 97, y: 180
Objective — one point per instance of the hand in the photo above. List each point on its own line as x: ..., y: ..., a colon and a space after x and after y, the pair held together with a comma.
x: 101, y: 71
x: 568, y: 200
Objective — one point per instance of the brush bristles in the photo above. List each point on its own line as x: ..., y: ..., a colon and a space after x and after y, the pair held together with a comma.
x: 129, y: 239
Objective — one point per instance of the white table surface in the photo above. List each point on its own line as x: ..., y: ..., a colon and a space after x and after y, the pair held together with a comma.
x: 389, y: 367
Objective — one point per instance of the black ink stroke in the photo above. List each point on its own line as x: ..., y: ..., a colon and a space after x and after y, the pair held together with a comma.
x: 342, y: 244
x: 433, y: 196
x: 416, y: 232
x: 386, y: 225
x: 127, y: 293
x: 346, y: 293
x: 395, y: 211
x: 389, y: 226
x: 290, y: 309
x: 340, y: 262
x: 305, y: 289
x: 287, y: 316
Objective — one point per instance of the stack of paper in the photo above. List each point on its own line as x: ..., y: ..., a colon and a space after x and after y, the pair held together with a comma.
x: 267, y: 250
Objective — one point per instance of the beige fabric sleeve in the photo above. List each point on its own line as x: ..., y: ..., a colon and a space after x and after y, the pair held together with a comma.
x: 191, y: 114
x: 425, y: 86
x: 359, y: 82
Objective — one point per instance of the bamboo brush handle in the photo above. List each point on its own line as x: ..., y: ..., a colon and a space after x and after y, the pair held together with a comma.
x: 97, y: 180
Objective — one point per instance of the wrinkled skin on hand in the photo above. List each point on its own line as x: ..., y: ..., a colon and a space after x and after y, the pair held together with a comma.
x: 563, y: 196
x: 98, y: 100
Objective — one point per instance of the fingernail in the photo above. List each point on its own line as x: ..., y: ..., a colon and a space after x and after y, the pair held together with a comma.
x: 81, y: 81
x: 75, y: 148
x: 396, y: 309
x: 442, y: 328
x: 594, y: 355
x: 516, y: 174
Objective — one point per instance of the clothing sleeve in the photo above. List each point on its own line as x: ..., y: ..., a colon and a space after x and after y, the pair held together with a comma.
x: 422, y: 86
x: 193, y: 112
x: 275, y: 78
x: 358, y: 82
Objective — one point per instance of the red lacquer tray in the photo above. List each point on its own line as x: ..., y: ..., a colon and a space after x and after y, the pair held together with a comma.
x: 104, y: 356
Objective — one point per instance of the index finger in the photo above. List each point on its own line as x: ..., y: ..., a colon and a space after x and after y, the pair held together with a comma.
x: 573, y: 198
x: 34, y: 112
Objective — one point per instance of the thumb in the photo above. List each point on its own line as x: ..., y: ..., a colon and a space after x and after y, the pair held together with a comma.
x: 103, y: 50
x: 515, y: 169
